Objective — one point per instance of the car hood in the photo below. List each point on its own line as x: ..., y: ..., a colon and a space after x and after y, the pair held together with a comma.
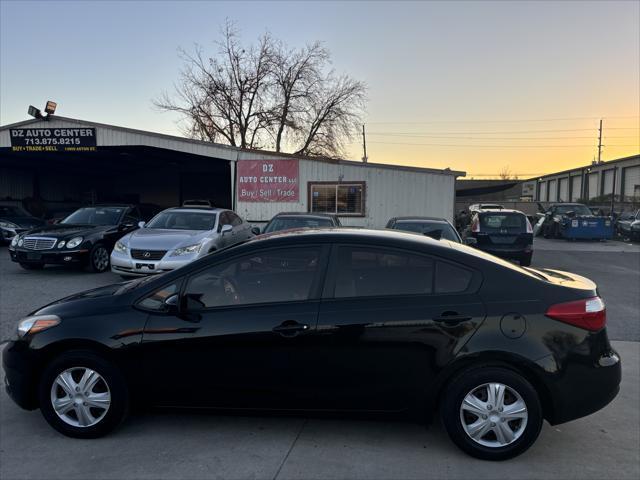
x: 24, y: 222
x: 63, y: 230
x: 160, y: 239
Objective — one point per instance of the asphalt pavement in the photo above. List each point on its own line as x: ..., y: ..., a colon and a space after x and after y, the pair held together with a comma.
x: 204, y: 445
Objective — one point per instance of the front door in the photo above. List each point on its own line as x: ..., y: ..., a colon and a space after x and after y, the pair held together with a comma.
x: 243, y: 322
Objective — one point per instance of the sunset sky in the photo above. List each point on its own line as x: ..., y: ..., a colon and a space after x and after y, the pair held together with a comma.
x: 474, y: 86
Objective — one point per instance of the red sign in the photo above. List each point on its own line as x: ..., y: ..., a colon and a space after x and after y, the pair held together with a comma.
x: 267, y: 180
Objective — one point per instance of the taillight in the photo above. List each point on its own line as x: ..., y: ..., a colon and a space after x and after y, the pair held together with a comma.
x: 529, y: 227
x: 589, y: 314
x: 475, y: 225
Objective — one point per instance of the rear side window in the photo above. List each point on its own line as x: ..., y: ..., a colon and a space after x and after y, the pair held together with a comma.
x: 502, y: 221
x: 366, y: 272
x: 451, y: 278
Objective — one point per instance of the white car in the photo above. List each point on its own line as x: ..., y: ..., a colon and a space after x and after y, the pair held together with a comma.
x: 175, y: 237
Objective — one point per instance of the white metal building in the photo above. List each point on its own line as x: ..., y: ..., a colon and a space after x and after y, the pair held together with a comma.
x: 67, y: 162
x: 620, y: 177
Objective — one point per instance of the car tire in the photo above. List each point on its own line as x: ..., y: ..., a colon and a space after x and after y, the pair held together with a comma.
x: 32, y: 266
x: 492, y: 440
x: 99, y: 259
x: 109, y: 390
x: 525, y: 260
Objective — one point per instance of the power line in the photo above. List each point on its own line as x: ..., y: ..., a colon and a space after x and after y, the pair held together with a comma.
x: 494, y: 146
x: 428, y: 135
x: 504, y: 121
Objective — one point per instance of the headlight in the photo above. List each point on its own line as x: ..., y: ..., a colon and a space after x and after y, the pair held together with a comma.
x: 20, y: 242
x: 186, y: 250
x: 120, y: 247
x: 61, y: 244
x: 36, y: 324
x: 635, y: 225
x: 14, y: 241
x: 7, y: 224
x: 74, y: 242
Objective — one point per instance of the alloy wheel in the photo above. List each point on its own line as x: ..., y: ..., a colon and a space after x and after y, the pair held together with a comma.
x: 80, y: 397
x: 493, y: 415
x: 101, y: 259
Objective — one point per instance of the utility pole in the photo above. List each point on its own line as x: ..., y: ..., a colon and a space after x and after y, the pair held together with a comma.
x: 600, y: 142
x: 364, y: 145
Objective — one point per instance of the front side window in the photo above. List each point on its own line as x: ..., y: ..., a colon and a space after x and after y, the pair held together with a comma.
x: 337, y: 198
x: 279, y: 275
x: 369, y: 271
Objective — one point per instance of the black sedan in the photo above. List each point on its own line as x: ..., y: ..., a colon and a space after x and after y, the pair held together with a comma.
x: 85, y: 238
x: 328, y: 320
x: 295, y: 220
x: 438, y: 228
x: 14, y: 220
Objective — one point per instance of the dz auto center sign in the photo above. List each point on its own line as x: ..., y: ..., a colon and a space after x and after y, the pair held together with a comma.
x: 267, y: 180
x: 53, y: 139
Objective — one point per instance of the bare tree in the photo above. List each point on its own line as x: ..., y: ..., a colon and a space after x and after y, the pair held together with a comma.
x: 266, y: 96
x: 505, y: 173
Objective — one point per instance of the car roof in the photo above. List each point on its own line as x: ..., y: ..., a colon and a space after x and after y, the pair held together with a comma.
x: 304, y: 214
x: 499, y: 210
x: 195, y: 209
x: 420, y: 219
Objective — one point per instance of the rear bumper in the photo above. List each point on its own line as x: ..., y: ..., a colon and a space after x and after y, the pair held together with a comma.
x: 584, y: 389
x: 50, y: 257
x: 507, y: 252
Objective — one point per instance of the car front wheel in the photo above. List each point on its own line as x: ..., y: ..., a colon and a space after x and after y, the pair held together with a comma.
x: 82, y: 395
x: 491, y: 413
x: 98, y: 259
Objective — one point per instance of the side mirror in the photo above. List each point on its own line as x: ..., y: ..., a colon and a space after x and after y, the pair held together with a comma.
x: 471, y: 241
x: 255, y: 230
x: 126, y: 226
x: 141, y: 224
x: 225, y: 229
x: 172, y: 304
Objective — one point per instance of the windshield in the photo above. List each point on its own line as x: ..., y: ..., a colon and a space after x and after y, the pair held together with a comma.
x: 429, y: 228
x: 497, y: 222
x: 286, y: 223
x: 96, y: 216
x: 577, y: 209
x: 12, y: 211
x: 177, y: 220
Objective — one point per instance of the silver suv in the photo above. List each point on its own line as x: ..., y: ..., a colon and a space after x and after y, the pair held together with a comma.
x: 175, y: 237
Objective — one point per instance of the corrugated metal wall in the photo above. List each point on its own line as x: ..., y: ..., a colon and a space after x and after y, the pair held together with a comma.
x: 543, y: 192
x: 607, y: 187
x: 15, y: 184
x: 553, y: 190
x: 389, y: 192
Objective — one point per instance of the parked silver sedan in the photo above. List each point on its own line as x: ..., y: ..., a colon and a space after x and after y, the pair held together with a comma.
x: 175, y: 237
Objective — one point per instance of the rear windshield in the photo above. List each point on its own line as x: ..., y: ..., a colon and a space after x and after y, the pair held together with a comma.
x: 499, y: 222
x: 285, y: 223
x: 431, y: 229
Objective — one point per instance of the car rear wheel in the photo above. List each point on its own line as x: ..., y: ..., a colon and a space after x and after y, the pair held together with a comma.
x: 98, y: 259
x: 32, y: 266
x: 491, y: 413
x: 525, y: 260
x: 82, y: 395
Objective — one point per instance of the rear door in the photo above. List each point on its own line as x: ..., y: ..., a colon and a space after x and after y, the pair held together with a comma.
x: 388, y: 321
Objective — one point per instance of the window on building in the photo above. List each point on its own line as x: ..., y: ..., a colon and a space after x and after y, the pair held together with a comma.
x: 337, y: 198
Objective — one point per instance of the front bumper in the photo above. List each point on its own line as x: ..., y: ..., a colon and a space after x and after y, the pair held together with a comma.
x: 52, y: 257
x: 21, y: 374
x: 123, y: 264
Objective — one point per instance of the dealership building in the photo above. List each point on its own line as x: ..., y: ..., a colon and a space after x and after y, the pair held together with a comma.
x: 64, y: 163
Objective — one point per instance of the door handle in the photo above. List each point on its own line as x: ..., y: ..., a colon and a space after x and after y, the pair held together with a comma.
x: 290, y: 328
x: 451, y: 318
